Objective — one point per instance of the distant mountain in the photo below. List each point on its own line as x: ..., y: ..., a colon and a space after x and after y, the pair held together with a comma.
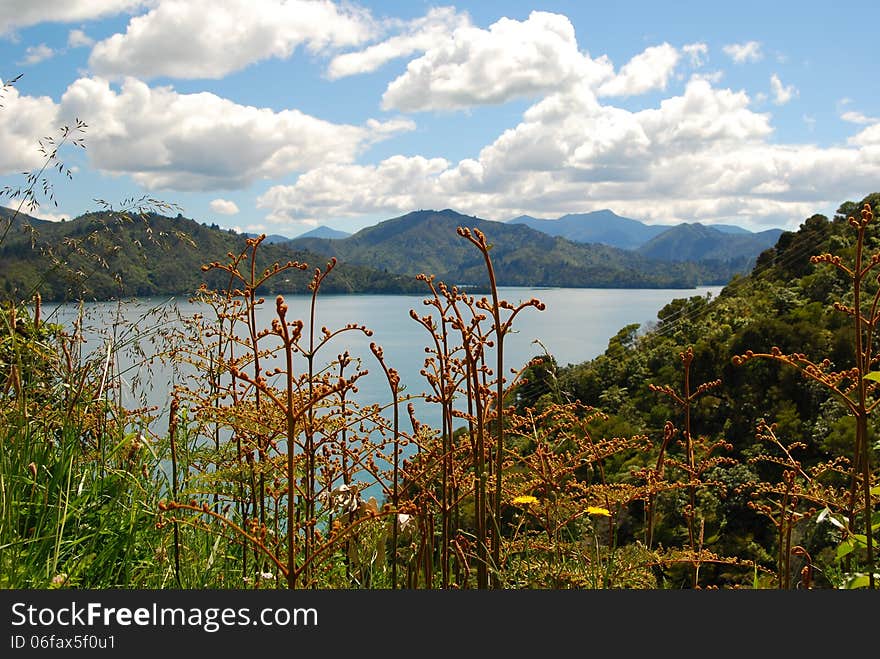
x: 324, y: 232
x: 318, y: 232
x: 679, y: 242
x: 690, y: 242
x: 603, y: 226
x: 426, y: 242
x: 271, y: 239
x: 102, y: 255
x: 731, y: 228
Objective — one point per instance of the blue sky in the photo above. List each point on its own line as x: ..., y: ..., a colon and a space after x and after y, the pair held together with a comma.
x: 278, y: 116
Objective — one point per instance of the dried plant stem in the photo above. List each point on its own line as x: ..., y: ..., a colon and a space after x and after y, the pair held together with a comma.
x: 172, y: 436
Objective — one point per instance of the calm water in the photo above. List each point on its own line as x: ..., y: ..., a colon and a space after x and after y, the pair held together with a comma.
x: 575, y: 326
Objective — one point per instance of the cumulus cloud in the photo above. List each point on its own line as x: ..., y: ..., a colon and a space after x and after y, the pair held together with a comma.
x: 782, y: 94
x: 398, y: 183
x: 206, y: 39
x: 869, y: 137
x: 165, y: 139
x: 36, y: 54
x: 224, y: 207
x: 704, y: 115
x: 463, y: 65
x: 645, y: 72
x: 417, y: 36
x: 22, y: 13
x: 23, y: 121
x: 511, y: 59
x: 702, y: 155
x: 744, y: 52
x: 79, y: 39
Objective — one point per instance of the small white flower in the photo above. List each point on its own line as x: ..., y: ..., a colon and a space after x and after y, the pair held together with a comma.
x: 267, y: 575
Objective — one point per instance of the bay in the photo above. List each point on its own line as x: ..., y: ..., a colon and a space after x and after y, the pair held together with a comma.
x: 574, y: 327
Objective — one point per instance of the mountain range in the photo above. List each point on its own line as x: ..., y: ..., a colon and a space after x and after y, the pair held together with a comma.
x: 665, y: 242
x: 158, y: 255
x: 324, y: 232
x: 426, y: 241
x: 318, y: 232
x: 675, y: 242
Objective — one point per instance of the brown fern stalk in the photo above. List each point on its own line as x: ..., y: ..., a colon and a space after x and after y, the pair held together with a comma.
x: 172, y: 436
x: 684, y: 402
x: 444, y: 389
x: 393, y: 379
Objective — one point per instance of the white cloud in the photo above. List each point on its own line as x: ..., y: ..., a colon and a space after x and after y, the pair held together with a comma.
x: 858, y: 118
x: 704, y: 115
x: 782, y: 94
x: 21, y: 13
x: 419, y: 35
x: 52, y: 217
x: 696, y: 52
x: 703, y: 155
x: 36, y: 54
x: 165, y: 139
x: 207, y: 39
x: 224, y: 207
x: 23, y: 121
x: 511, y: 59
x: 645, y: 72
x: 79, y: 39
x: 869, y: 137
x: 398, y: 183
x: 744, y: 52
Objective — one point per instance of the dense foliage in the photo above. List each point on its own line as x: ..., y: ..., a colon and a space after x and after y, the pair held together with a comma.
x: 787, y: 302
x: 111, y: 255
x: 695, y: 454
x: 425, y: 241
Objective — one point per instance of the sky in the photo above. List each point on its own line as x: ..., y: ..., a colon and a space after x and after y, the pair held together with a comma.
x: 278, y: 116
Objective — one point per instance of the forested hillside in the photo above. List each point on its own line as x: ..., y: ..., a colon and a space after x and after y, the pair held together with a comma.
x: 795, y: 310
x: 425, y: 241
x: 105, y: 255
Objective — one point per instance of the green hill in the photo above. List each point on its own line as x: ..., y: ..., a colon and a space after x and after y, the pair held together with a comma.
x: 687, y: 242
x: 426, y: 241
x: 104, y: 255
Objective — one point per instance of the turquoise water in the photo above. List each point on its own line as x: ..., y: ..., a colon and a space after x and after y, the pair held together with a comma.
x: 575, y: 326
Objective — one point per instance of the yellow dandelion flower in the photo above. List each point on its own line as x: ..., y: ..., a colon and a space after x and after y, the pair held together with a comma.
x: 595, y: 510
x: 524, y: 500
